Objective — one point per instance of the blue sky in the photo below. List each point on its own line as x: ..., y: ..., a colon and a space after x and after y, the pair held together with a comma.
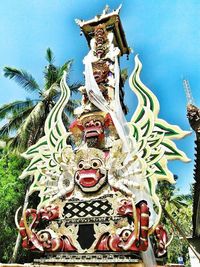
x: 164, y: 33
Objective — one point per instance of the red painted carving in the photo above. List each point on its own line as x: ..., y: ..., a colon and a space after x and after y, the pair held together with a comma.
x: 162, y: 240
x: 44, y: 240
x: 50, y: 212
x: 100, y: 35
x: 51, y: 243
x: 93, y: 127
x: 125, y: 208
x: 127, y: 240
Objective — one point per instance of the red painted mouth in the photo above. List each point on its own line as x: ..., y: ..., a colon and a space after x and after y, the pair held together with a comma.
x: 88, y: 178
x: 92, y: 132
x: 88, y: 182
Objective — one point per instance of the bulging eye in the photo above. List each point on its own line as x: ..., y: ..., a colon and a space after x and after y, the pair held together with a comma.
x: 126, y: 234
x: 96, y: 163
x: 80, y: 165
x: 97, y: 123
x: 124, y: 202
x: 86, y: 124
x: 43, y: 237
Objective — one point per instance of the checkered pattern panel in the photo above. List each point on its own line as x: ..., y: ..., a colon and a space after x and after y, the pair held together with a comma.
x: 83, y: 209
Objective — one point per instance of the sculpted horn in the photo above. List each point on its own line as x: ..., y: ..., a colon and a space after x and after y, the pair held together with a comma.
x: 16, y: 218
x: 31, y: 235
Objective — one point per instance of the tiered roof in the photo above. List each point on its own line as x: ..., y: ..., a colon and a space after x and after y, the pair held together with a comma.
x: 112, y: 22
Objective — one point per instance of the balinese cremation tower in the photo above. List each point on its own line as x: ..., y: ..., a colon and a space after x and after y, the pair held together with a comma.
x: 97, y: 181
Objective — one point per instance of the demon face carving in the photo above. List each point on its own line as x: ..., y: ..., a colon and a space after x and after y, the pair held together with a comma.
x: 100, y: 35
x: 101, y: 71
x: 91, y: 172
x: 93, y: 128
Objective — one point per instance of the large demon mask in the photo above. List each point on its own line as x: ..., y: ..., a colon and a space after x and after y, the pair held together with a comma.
x: 91, y: 172
x: 93, y: 129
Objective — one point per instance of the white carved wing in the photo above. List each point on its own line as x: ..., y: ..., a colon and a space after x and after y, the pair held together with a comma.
x: 153, y: 136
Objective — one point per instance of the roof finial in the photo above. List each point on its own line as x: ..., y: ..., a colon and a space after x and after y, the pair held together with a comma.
x: 106, y: 10
x: 188, y: 92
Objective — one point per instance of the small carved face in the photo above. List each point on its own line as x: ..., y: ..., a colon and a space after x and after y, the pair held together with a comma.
x: 49, y: 240
x: 101, y: 71
x: 125, y: 208
x: 100, y: 35
x: 91, y: 172
x: 93, y: 128
x: 50, y: 212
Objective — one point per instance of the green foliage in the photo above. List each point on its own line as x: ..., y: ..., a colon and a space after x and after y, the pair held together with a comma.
x: 179, y: 207
x: 12, y: 192
x: 49, y: 56
x: 22, y: 77
x: 24, y: 120
x: 178, y: 247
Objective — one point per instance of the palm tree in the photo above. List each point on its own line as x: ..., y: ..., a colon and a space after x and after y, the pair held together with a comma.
x: 25, y: 118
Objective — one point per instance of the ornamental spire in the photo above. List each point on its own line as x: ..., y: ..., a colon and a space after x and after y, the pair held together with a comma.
x: 193, y: 112
x: 188, y: 92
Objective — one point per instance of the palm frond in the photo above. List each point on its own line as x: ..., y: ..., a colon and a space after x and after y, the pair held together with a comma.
x: 29, y: 129
x: 49, y: 56
x: 15, y: 107
x: 65, y: 67
x: 13, y: 144
x: 74, y: 87
x: 50, y: 76
x: 14, y: 123
x: 186, y: 198
x: 179, y: 204
x: 21, y: 77
x: 180, y: 201
x: 71, y: 105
